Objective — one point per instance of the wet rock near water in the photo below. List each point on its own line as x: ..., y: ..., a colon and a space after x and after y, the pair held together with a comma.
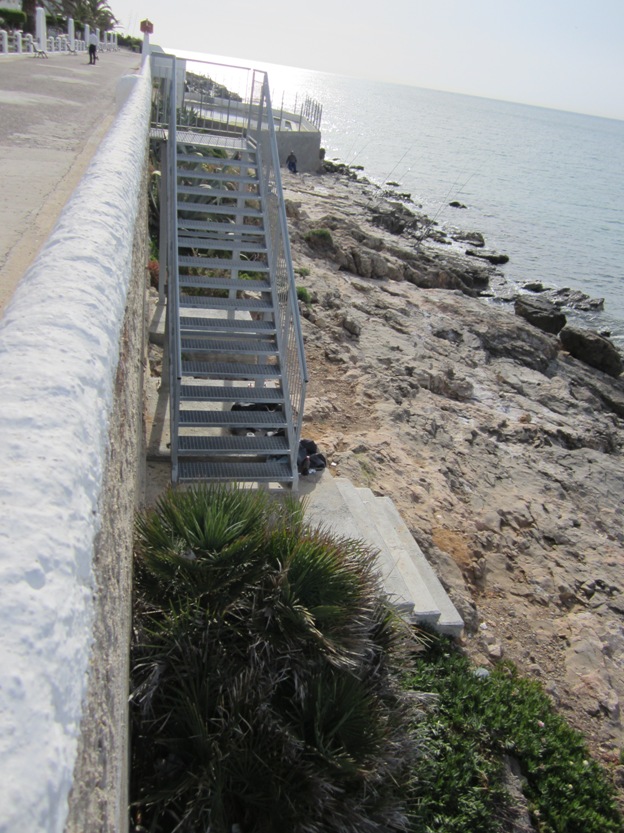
x: 541, y: 313
x: 566, y: 297
x: 494, y: 258
x: 475, y: 238
x: 593, y: 349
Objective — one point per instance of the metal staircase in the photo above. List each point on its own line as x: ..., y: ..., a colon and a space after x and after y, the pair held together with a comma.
x: 237, y: 369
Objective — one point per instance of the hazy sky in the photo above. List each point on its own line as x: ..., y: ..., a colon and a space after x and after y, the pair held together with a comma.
x: 563, y: 54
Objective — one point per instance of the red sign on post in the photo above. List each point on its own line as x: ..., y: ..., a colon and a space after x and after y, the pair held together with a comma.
x: 147, y: 27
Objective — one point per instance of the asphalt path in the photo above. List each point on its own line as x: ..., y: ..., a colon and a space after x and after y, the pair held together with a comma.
x: 53, y: 115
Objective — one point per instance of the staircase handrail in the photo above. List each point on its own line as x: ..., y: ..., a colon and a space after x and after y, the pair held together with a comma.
x: 173, y: 292
x: 282, y: 273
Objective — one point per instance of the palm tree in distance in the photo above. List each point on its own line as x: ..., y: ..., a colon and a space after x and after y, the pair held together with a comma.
x: 97, y: 13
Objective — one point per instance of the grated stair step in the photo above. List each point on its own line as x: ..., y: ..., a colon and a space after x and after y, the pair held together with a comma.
x: 193, y: 138
x: 231, y: 284
x: 208, y: 345
x: 239, y: 326
x: 223, y: 263
x: 218, y: 244
x: 252, y: 472
x: 218, y: 161
x: 268, y: 420
x: 216, y: 176
x: 225, y: 227
x: 206, y: 302
x: 218, y: 193
x: 198, y: 446
x: 212, y: 208
x: 230, y: 370
x: 218, y: 393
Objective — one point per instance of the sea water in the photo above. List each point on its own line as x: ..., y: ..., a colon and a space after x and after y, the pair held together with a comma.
x: 544, y: 187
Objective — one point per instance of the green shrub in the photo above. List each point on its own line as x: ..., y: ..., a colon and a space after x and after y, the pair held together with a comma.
x: 302, y: 271
x: 303, y: 295
x: 319, y: 239
x: 263, y: 693
x: 130, y: 42
x: 478, y: 720
x: 55, y: 19
x: 13, y: 18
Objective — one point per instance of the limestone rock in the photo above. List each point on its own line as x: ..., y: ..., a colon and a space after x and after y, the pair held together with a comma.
x: 352, y: 325
x: 593, y: 349
x: 503, y: 453
x: 574, y: 299
x: 540, y: 313
x: 475, y: 238
x: 494, y: 258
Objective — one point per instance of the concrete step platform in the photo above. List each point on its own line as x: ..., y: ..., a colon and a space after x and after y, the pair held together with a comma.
x: 409, y: 580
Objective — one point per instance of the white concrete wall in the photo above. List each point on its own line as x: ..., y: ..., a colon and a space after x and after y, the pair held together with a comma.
x: 60, y: 342
x: 306, y: 146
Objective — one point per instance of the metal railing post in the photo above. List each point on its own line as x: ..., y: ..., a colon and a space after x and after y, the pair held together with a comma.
x: 173, y: 293
x: 288, y: 331
x: 163, y: 203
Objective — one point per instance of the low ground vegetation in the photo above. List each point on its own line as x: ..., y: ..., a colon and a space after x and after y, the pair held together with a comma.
x: 479, y: 725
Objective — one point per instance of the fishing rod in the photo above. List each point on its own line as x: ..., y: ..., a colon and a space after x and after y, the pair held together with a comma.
x: 357, y: 153
x: 379, y: 194
x: 399, y: 162
x: 432, y: 220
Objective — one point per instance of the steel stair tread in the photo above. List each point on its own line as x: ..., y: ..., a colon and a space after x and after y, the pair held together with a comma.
x: 219, y: 393
x: 219, y: 244
x: 222, y: 263
x: 231, y: 284
x: 218, y: 161
x: 197, y: 139
x: 240, y: 326
x: 210, y: 208
x: 252, y: 472
x: 230, y: 370
x: 207, y: 345
x: 233, y: 419
x: 224, y: 227
x: 209, y: 191
x: 232, y: 445
x: 206, y: 302
x: 217, y: 176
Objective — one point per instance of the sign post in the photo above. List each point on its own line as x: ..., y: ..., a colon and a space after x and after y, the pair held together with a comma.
x: 147, y: 27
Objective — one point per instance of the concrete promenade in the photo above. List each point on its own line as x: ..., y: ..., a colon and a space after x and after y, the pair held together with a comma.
x: 54, y: 114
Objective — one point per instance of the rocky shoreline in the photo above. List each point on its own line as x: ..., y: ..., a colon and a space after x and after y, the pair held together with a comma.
x: 501, y: 449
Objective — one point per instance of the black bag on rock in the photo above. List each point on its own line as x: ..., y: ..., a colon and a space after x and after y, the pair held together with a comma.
x: 309, y: 458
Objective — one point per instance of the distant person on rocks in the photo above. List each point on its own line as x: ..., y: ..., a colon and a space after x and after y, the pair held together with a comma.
x: 291, y: 161
x: 93, y: 45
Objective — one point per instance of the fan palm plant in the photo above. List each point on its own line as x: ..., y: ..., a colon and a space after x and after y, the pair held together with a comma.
x: 263, y: 687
